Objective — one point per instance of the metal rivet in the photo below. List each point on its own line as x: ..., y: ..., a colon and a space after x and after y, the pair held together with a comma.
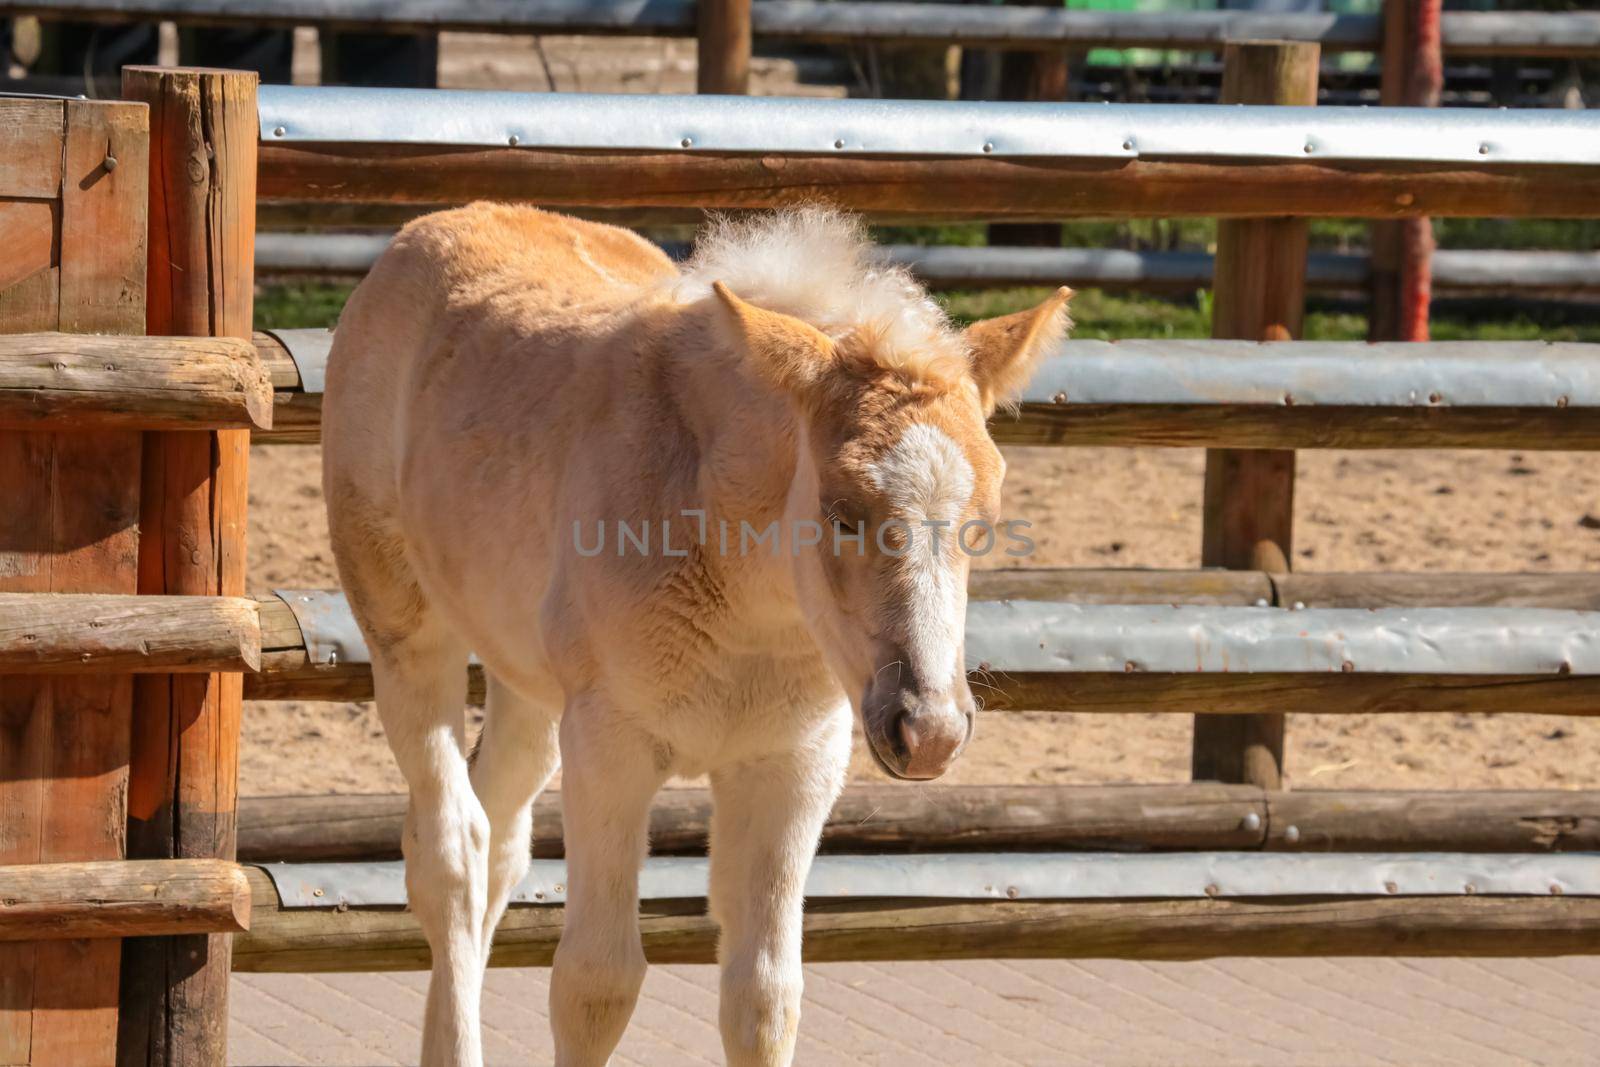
x: 560, y: 888
x: 687, y: 142
x: 1059, y: 398
x: 1469, y: 889
x: 838, y: 144
x: 1291, y: 834
x: 1012, y: 892
x: 278, y: 131
x: 1347, y: 666
x: 1288, y: 399
x: 1213, y: 890
x: 316, y: 892
x: 333, y: 658
x: 513, y: 140
x: 1556, y: 890
x: 1434, y: 398
x: 1127, y: 146
x: 1252, y: 821
x: 1310, y: 148
x: 1564, y: 668
x: 1483, y: 149
x: 110, y: 164
x: 1561, y: 401
x: 1299, y: 605
x: 988, y: 146
x: 984, y: 666
x: 1390, y: 887
x: 1129, y: 667
x: 1263, y: 602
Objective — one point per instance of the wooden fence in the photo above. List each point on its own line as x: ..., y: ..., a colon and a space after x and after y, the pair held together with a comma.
x: 123, y: 624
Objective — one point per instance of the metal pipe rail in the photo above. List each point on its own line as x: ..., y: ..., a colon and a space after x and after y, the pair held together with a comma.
x: 918, y: 159
x: 1044, y: 655
x: 1216, y: 394
x: 955, y: 267
x: 1463, y: 33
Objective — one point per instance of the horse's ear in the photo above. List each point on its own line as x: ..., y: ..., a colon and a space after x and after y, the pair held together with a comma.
x: 791, y: 354
x: 1005, y: 350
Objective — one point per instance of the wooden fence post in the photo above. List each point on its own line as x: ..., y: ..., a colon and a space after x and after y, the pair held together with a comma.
x: 724, y: 47
x: 182, y: 792
x: 72, y: 222
x: 1402, y: 249
x: 1259, y: 290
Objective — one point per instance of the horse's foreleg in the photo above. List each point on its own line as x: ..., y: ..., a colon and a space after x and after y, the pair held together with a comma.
x: 766, y: 818
x: 517, y: 753
x: 421, y: 693
x: 610, y: 772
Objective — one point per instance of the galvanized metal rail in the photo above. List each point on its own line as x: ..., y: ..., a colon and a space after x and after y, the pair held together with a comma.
x: 1463, y: 33
x: 957, y: 267
x: 1466, y: 394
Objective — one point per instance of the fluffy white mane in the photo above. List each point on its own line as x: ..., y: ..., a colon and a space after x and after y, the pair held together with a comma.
x: 819, y: 265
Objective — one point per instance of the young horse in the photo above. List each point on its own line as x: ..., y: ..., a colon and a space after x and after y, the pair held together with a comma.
x: 804, y: 433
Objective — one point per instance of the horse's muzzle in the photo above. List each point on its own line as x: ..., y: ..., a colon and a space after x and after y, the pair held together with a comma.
x: 917, y: 737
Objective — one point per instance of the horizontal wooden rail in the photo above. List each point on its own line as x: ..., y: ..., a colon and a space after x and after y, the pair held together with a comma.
x: 389, y: 939
x: 892, y: 818
x: 289, y: 673
x: 1249, y: 421
x: 122, y: 898
x: 900, y: 188
x: 74, y: 381
x: 52, y: 633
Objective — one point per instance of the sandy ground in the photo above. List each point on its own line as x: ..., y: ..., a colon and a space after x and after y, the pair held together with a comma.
x: 1440, y: 511
x: 1426, y: 511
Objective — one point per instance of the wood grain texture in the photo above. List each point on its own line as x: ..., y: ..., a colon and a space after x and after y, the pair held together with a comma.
x: 122, y: 898
x: 47, y: 633
x: 723, y: 52
x: 185, y: 771
x: 28, y: 229
x: 31, y: 133
x: 904, y: 188
x: 150, y: 383
x: 388, y: 939
x: 866, y: 818
x: 78, y: 534
x: 1489, y: 820
x: 1259, y: 292
x: 297, y: 420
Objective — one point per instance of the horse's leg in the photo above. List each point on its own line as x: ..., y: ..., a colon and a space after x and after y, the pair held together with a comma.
x: 518, y: 751
x: 766, y: 817
x: 609, y: 773
x: 420, y: 684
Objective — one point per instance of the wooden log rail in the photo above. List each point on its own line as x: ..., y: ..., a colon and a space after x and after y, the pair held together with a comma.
x: 1238, y: 415
x: 122, y: 898
x: 82, y: 633
x: 1114, y: 683
x: 69, y: 381
x: 389, y: 939
x: 901, y: 188
x: 892, y: 818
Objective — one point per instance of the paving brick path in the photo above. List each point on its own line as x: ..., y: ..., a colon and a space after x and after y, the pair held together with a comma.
x: 1319, y: 1013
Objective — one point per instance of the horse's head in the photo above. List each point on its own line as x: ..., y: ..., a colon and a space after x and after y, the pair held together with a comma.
x: 897, y: 473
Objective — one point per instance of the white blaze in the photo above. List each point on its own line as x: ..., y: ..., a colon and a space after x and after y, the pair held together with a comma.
x: 927, y: 479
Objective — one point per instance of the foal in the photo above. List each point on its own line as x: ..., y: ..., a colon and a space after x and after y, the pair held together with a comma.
x: 686, y: 520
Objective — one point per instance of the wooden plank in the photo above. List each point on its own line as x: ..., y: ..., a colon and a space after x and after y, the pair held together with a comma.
x: 104, y: 201
x: 45, y: 633
x: 723, y: 31
x: 921, y: 188
x: 297, y: 420
x: 1576, y: 591
x: 1259, y: 291
x: 1121, y: 586
x: 866, y: 818
x: 1552, y: 820
x: 30, y: 147
x: 359, y: 939
x: 166, y: 383
x: 1250, y: 427
x: 183, y: 792
x: 28, y: 230
x: 122, y: 898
